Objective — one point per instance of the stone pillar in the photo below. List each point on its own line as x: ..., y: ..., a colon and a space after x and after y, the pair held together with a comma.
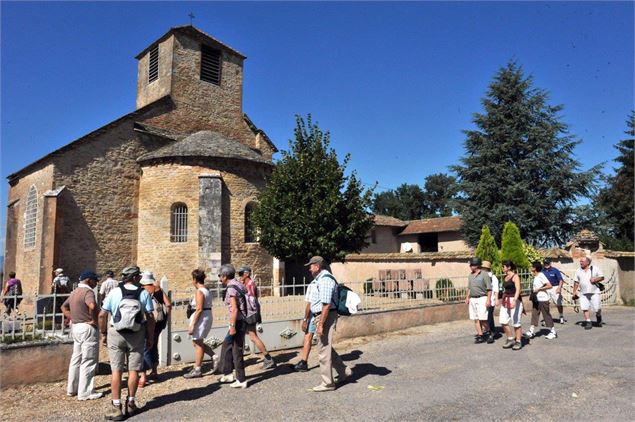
x: 278, y: 276
x: 209, y: 223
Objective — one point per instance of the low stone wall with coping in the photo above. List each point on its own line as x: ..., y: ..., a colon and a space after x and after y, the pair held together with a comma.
x: 34, y: 361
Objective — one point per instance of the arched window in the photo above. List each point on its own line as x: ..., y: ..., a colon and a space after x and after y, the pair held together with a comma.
x: 30, y: 218
x: 251, y: 231
x: 178, y: 223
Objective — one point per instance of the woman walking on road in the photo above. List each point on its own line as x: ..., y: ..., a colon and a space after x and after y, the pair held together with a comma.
x: 511, y: 307
x: 540, y: 301
x: 200, y: 323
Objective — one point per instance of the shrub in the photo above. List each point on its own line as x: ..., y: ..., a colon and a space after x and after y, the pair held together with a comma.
x: 487, y: 249
x: 512, y: 246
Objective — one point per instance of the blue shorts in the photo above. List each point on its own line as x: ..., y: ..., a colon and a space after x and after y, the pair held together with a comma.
x: 312, y: 327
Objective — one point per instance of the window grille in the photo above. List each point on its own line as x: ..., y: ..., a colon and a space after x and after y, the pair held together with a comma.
x: 210, y: 65
x: 178, y: 224
x: 251, y: 231
x: 153, y: 69
x: 30, y: 218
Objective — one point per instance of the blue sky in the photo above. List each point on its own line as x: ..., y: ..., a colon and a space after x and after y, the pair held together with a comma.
x: 395, y: 83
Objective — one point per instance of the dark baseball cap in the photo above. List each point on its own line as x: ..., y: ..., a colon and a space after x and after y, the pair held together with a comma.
x: 475, y: 262
x: 88, y: 275
x: 129, y: 272
x: 243, y: 269
x: 546, y: 261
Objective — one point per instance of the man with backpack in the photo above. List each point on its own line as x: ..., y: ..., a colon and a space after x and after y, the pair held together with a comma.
x: 130, y: 326
x: 61, y: 282
x: 253, y: 308
x: 324, y: 302
x: 82, y: 309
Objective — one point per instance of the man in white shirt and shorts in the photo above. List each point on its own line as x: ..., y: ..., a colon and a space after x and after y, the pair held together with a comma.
x: 586, y: 282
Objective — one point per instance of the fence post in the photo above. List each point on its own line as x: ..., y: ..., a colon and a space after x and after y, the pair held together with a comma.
x: 164, y: 337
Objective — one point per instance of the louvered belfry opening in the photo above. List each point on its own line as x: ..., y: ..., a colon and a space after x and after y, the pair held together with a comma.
x: 210, y: 64
x: 153, y: 69
x: 178, y: 223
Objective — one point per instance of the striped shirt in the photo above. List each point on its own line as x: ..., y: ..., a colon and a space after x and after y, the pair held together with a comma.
x: 325, y: 291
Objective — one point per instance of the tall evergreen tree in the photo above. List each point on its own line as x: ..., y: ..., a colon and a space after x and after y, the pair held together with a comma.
x: 616, y: 199
x: 519, y: 164
x: 309, y: 206
x: 487, y: 249
x: 512, y: 246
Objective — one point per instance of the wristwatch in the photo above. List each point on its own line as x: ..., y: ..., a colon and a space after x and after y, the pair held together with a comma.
x: 232, y: 325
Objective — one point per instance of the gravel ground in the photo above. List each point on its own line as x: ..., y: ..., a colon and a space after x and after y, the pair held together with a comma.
x: 423, y: 373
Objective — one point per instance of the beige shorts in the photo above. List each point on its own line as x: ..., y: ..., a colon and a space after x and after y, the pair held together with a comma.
x: 121, y: 345
x: 477, y: 308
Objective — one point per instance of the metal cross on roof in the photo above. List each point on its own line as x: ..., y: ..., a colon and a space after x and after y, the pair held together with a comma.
x: 191, y: 15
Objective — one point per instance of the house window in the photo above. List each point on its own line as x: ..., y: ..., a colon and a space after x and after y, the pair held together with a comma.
x: 30, y: 218
x: 373, y: 236
x: 210, y: 65
x: 251, y: 231
x: 178, y: 223
x: 153, y: 68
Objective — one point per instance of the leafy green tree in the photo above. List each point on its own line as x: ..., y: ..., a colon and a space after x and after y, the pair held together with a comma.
x: 512, y: 246
x: 309, y: 206
x: 487, y: 249
x: 407, y: 202
x: 616, y: 198
x: 519, y: 164
x: 440, y: 192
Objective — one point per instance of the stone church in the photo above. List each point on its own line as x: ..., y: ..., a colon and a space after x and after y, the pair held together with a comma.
x: 168, y: 187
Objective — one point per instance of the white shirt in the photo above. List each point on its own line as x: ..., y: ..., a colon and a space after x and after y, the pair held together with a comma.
x: 584, y: 278
x: 539, y: 281
x: 107, y: 286
x: 495, y: 288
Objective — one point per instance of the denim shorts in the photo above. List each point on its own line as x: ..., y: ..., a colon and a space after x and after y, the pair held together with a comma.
x: 312, y: 327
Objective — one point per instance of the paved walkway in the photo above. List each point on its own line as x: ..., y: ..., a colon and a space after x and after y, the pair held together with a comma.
x: 424, y: 373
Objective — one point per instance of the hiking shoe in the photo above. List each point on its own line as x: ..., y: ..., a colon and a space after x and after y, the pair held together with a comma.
x: 551, y: 335
x: 562, y: 321
x: 588, y: 325
x: 517, y: 345
x: 114, y: 413
x: 93, y: 396
x: 529, y: 334
x: 320, y: 388
x: 509, y: 343
x: 238, y: 384
x: 490, y: 339
x: 227, y: 378
x: 194, y: 373
x: 479, y: 340
x: 131, y: 408
x: 301, y: 366
x: 268, y: 364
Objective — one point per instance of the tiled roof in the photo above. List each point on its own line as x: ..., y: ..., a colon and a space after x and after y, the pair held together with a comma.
x: 433, y: 225
x: 411, y: 257
x: 206, y: 144
x: 385, y: 220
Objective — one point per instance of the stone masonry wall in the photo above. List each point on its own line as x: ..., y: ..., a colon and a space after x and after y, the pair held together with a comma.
x: 149, y: 92
x: 26, y: 262
x: 163, y: 184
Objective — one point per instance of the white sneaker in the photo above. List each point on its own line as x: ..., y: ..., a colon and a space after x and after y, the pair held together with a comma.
x: 529, y: 334
x: 551, y: 336
x: 238, y: 384
x: 93, y: 396
x: 320, y: 388
x: 227, y: 378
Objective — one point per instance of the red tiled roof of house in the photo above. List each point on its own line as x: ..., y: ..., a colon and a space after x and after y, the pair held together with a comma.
x: 433, y: 225
x: 384, y: 220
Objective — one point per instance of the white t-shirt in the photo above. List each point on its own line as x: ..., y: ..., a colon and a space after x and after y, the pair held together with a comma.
x: 107, y: 286
x: 539, y: 281
x: 584, y: 278
x: 495, y: 288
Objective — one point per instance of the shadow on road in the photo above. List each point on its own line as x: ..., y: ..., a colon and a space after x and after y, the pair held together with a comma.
x: 363, y: 369
x: 180, y: 396
x: 352, y: 355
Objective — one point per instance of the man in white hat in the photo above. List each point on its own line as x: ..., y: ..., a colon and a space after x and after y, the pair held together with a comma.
x: 60, y: 282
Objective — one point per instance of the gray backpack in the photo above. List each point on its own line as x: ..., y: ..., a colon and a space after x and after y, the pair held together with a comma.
x: 128, y: 317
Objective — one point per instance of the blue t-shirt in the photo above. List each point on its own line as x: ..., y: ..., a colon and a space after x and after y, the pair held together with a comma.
x: 553, y: 275
x: 111, y: 303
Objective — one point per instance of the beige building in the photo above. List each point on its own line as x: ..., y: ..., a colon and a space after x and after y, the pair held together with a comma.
x: 168, y: 186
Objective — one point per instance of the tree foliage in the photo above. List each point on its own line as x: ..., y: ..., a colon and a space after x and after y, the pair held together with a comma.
x: 411, y: 202
x: 487, y: 249
x: 309, y: 206
x: 519, y: 164
x: 512, y: 246
x: 615, y: 200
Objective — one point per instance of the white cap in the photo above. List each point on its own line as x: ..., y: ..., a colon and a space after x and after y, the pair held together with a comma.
x: 147, y: 277
x: 59, y: 270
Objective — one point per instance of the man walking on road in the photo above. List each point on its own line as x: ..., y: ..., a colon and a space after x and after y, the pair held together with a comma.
x: 323, y: 306
x: 555, y: 293
x: 479, y: 298
x: 125, y: 334
x: 81, y: 308
x: 586, y: 282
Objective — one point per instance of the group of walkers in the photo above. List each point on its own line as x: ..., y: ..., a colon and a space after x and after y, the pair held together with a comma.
x: 485, y: 292
x: 135, y: 310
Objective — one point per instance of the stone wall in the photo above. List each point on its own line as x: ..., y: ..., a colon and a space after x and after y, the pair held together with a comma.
x: 452, y: 241
x: 149, y: 92
x: 164, y: 184
x: 386, y: 240
x: 34, y: 362
x: 27, y: 262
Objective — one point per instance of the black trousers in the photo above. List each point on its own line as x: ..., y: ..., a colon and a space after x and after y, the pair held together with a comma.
x: 490, y: 318
x: 231, y: 354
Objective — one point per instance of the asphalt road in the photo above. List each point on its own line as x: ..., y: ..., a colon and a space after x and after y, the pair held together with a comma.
x: 435, y: 373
